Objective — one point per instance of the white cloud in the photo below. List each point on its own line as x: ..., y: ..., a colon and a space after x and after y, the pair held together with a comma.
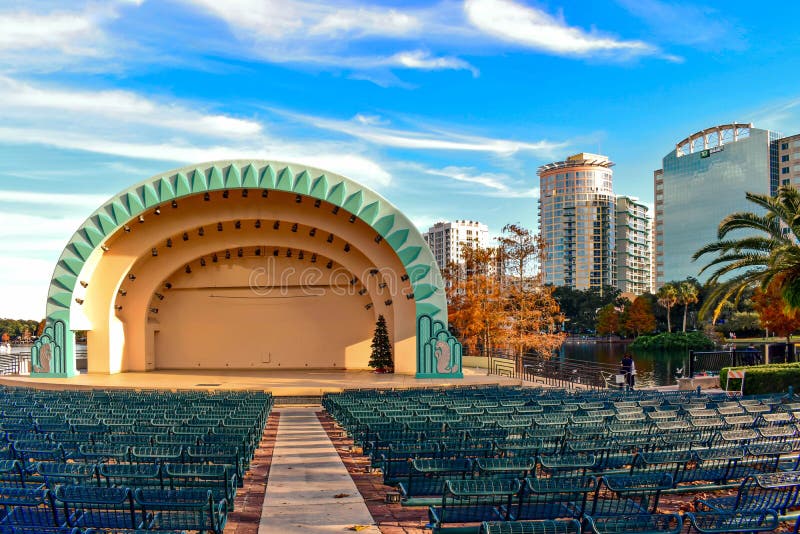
x: 130, y: 125
x: 422, y: 60
x: 498, y: 185
x: 53, y: 199
x: 438, y: 140
x: 64, y: 31
x: 534, y: 28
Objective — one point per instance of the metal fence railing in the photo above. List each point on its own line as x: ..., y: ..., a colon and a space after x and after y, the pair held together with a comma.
x: 703, y: 362
x: 556, y: 372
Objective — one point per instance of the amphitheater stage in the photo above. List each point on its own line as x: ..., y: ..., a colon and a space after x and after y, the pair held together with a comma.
x: 280, y: 383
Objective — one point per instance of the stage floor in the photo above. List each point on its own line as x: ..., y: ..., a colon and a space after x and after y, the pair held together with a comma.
x: 280, y: 383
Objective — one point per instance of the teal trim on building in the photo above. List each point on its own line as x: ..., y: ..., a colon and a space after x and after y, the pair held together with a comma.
x: 53, y: 354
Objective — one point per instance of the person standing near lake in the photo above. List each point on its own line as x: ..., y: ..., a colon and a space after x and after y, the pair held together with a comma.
x: 628, y: 370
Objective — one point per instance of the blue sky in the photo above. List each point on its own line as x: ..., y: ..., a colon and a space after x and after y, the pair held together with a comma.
x: 446, y: 108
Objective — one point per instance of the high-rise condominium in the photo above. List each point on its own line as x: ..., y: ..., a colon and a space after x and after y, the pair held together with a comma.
x: 447, y: 239
x: 633, y: 246
x: 576, y: 220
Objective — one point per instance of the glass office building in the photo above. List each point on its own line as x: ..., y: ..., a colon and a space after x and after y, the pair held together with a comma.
x: 702, y: 181
x: 576, y: 220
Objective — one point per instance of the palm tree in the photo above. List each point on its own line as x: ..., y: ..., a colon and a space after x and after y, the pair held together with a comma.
x: 687, y: 294
x: 769, y: 252
x: 667, y: 297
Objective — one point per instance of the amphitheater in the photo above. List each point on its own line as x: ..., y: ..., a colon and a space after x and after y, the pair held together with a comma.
x: 229, y: 309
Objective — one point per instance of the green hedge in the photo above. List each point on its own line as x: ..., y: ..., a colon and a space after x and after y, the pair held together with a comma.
x: 761, y: 379
x: 673, y: 340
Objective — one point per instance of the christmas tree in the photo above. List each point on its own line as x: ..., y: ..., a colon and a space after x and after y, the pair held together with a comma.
x: 381, y: 357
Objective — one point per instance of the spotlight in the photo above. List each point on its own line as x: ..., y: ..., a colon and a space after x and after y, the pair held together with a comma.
x: 275, y: 252
x: 378, y: 238
x: 404, y: 278
x: 188, y: 270
x: 352, y: 218
x: 317, y: 203
x: 159, y: 296
x: 312, y: 232
x: 79, y: 301
x: 227, y: 254
x: 362, y: 291
x: 141, y: 219
x: 201, y: 232
x: 244, y: 193
x: 185, y: 236
x: 288, y: 253
x: 153, y: 310
x: 388, y: 302
x: 258, y: 224
x: 132, y: 277
x: 202, y: 262
x: 294, y: 227
x: 298, y: 199
x: 347, y: 247
x: 169, y: 243
x: 335, y: 210
x: 329, y: 264
x: 264, y: 193
x: 258, y: 252
x: 373, y: 272
x: 168, y: 285
x: 174, y: 203
x: 313, y: 258
x: 214, y: 258
x: 122, y: 292
x: 127, y: 229
x: 300, y: 256
x: 154, y: 252
x: 382, y: 285
x: 240, y: 253
x: 104, y: 247
x: 84, y: 284
x: 157, y: 211
x: 225, y: 194
x: 353, y: 281
x: 207, y: 197
x: 368, y: 306
x: 238, y: 225
x: 410, y: 296
x: 118, y: 308
x: 219, y: 227
x: 276, y: 225
x: 330, y: 238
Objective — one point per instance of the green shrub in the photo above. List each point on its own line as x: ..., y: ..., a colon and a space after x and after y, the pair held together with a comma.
x: 761, y: 379
x: 673, y: 340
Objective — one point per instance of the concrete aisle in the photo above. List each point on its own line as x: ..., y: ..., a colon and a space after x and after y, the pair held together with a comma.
x: 305, y: 476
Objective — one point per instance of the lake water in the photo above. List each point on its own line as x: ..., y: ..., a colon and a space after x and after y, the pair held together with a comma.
x: 652, y: 368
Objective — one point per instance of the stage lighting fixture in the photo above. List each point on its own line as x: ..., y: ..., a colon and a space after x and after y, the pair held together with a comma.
x: 368, y: 306
x: 329, y: 264
x: 244, y: 193
x: 127, y: 229
x: 104, y: 247
x: 362, y: 291
x: 378, y: 238
x: 201, y: 232
x: 275, y: 252
x: 169, y: 242
x: 84, y: 284
x: 141, y: 219
x: 300, y: 255
x: 330, y: 238
x: 240, y: 253
x: 294, y: 227
x: 298, y: 199
x: 132, y: 277
x: 214, y: 258
x: 185, y: 236
x: 347, y: 247
x: 154, y: 252
x: 353, y: 281
x: 352, y: 218
x: 219, y: 227
x: 168, y: 285
x: 174, y: 203
x: 79, y: 301
x: 313, y: 258
x: 238, y: 225
x: 264, y: 193
x: 122, y: 292
x: 227, y: 254
x: 153, y: 310
x: 373, y: 272
x: 258, y: 252
x: 404, y: 278
x: 225, y: 194
x: 317, y: 203
x: 118, y: 308
x: 312, y: 232
x: 382, y: 285
x: 276, y: 225
x: 159, y: 296
x: 410, y: 296
x: 207, y: 197
x: 258, y: 224
x: 288, y: 253
x: 188, y: 270
x: 157, y: 211
x: 202, y: 262
x: 335, y: 210
x: 388, y: 302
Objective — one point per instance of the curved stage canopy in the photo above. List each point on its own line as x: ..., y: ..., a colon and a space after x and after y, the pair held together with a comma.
x: 250, y: 265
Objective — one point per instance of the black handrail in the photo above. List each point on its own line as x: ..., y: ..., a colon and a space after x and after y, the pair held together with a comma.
x: 715, y: 361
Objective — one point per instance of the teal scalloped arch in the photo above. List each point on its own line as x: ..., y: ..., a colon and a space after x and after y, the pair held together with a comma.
x: 387, y: 221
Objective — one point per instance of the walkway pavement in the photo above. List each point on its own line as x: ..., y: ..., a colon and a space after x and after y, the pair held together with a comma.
x: 309, y: 488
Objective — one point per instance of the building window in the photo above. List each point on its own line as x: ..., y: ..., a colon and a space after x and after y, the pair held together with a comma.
x: 785, y: 158
x: 785, y: 170
x: 784, y: 146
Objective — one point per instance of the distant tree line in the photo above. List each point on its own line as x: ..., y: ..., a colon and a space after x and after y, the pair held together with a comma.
x: 17, y: 327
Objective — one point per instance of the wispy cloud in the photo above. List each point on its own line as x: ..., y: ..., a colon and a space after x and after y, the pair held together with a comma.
x: 534, y: 28
x: 780, y: 116
x: 427, y: 139
x: 497, y: 185
x: 131, y: 125
x: 86, y: 201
